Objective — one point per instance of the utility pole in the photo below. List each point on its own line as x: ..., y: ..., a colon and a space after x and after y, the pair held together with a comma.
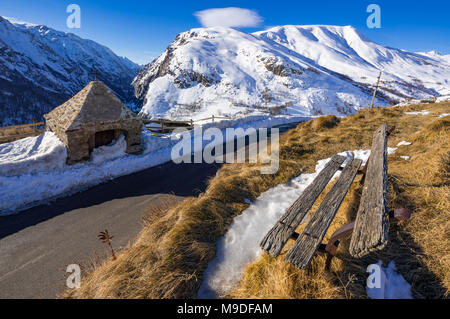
x: 376, y: 89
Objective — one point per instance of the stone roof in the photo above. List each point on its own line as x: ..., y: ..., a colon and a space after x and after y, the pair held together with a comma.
x: 95, y: 104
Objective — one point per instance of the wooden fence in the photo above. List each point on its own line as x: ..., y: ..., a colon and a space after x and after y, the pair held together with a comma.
x: 17, y: 132
x: 167, y: 126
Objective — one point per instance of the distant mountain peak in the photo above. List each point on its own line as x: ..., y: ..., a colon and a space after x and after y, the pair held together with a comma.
x: 18, y: 22
x: 308, y: 70
x: 51, y: 66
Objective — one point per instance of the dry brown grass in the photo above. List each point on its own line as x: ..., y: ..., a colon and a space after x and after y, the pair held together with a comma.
x: 173, y: 250
x: 420, y: 247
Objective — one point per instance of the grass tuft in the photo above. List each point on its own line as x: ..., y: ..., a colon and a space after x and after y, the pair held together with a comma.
x: 325, y: 122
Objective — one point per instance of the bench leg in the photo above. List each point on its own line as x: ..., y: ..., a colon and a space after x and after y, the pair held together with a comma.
x: 363, y: 172
x: 400, y: 214
x: 346, y: 231
x: 333, y: 244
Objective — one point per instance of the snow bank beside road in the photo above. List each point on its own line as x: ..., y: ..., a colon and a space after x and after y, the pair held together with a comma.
x: 26, y: 181
x: 33, y: 154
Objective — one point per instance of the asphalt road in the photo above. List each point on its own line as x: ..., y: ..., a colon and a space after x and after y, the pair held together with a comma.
x: 37, y: 245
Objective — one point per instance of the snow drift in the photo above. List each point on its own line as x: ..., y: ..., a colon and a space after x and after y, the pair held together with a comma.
x: 392, y: 284
x: 33, y: 154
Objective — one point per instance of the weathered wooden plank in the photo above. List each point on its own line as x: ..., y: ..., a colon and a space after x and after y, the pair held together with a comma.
x: 310, y: 239
x: 372, y: 221
x: 278, y: 236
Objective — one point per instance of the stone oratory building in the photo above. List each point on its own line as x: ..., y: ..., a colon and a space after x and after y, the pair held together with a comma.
x: 92, y: 118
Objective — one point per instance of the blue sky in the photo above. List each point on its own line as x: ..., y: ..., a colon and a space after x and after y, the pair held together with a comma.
x: 141, y: 30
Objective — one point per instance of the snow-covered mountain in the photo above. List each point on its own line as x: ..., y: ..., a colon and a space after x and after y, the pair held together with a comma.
x: 301, y: 70
x: 40, y: 68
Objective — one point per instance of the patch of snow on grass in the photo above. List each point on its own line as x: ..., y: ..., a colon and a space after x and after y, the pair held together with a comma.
x: 444, y: 115
x: 393, y: 285
x: 392, y: 150
x: 406, y: 158
x: 443, y: 98
x: 240, y: 245
x: 404, y: 143
x: 418, y: 113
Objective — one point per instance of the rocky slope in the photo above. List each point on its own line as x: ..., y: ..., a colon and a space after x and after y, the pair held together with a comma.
x: 301, y: 70
x: 40, y: 68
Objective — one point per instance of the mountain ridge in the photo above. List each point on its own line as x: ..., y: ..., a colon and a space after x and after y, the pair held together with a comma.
x: 308, y: 70
x: 41, y: 68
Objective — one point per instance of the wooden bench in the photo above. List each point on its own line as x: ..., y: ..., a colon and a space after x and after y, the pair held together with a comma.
x: 370, y: 231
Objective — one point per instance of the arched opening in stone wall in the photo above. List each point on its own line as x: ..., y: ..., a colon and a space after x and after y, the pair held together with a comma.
x: 103, y: 138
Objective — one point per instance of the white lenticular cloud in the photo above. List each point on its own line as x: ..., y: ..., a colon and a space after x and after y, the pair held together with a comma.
x: 229, y: 17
